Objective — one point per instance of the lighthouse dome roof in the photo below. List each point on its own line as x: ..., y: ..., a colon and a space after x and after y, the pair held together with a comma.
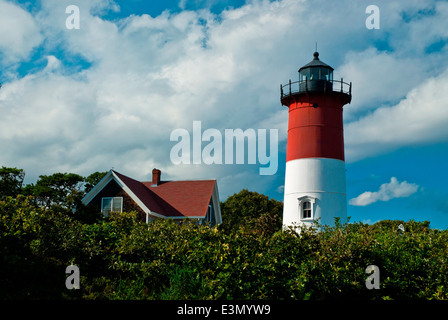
x: 316, y: 63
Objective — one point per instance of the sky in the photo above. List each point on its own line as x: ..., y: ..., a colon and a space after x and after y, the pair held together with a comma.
x: 109, y: 92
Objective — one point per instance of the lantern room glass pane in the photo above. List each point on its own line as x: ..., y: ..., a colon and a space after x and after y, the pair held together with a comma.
x: 304, y: 74
x: 325, y: 74
x: 314, y: 73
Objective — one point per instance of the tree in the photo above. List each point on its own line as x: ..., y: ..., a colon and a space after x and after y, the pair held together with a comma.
x: 59, y: 189
x: 251, y: 211
x: 92, y: 180
x: 11, y: 181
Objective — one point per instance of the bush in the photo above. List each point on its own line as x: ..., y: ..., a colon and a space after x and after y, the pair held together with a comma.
x: 122, y: 258
x: 252, y: 212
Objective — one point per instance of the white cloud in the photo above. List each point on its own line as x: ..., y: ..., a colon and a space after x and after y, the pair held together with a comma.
x: 387, y: 191
x: 420, y: 118
x: 20, y: 34
x: 379, y: 77
x: 151, y: 75
x: 427, y: 23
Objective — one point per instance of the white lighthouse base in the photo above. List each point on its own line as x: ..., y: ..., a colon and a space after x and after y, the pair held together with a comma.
x: 321, y: 183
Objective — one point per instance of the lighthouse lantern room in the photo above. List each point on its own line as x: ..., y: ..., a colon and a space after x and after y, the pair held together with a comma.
x: 315, y: 161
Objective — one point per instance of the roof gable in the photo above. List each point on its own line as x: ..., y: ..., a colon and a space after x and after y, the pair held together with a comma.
x: 170, y: 199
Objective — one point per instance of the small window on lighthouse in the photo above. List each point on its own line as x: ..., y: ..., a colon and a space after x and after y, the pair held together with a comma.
x: 306, y: 210
x: 306, y: 207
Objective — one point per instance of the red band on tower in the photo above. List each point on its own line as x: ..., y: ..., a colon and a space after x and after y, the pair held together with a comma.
x: 315, y: 129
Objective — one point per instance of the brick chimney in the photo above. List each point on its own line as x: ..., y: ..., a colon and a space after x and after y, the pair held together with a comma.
x: 156, y: 173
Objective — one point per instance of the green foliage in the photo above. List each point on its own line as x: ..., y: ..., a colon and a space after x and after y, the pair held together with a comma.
x: 253, y: 212
x: 92, y: 180
x: 59, y: 189
x: 11, y: 180
x: 30, y: 266
x: 122, y: 258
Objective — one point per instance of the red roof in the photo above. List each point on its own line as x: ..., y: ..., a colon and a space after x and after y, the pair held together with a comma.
x: 173, y: 198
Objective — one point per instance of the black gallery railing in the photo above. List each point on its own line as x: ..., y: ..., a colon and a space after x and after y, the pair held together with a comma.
x: 320, y: 85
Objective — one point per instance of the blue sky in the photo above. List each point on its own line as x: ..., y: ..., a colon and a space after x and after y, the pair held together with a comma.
x: 109, y: 94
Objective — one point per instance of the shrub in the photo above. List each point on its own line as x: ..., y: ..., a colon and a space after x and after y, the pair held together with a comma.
x: 123, y: 258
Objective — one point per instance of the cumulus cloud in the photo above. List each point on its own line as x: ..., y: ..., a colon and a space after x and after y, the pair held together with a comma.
x: 380, y: 77
x: 20, y: 34
x: 388, y: 191
x: 417, y: 119
x: 398, y: 93
x: 146, y: 76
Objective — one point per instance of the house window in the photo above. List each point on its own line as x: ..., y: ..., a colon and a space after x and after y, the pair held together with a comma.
x: 209, y: 213
x: 109, y: 204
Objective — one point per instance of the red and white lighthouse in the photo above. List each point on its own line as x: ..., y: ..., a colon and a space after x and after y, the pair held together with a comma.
x: 315, y: 162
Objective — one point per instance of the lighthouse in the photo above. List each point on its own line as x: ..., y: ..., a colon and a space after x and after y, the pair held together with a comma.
x: 315, y: 162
